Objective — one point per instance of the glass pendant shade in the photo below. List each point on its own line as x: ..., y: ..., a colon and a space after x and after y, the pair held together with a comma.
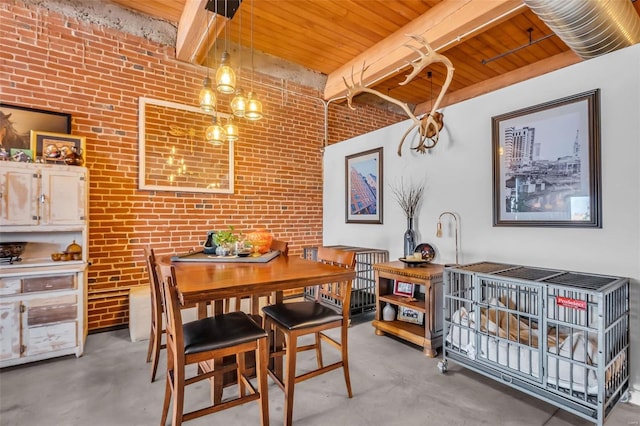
x: 231, y: 129
x: 207, y: 97
x: 215, y: 133
x: 225, y: 76
x: 254, y: 108
x: 239, y: 103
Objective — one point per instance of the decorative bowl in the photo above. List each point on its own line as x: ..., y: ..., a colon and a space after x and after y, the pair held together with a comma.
x: 56, y: 256
x: 11, y: 250
x: 427, y: 251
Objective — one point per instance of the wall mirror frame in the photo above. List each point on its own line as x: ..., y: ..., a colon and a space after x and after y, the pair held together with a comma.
x: 173, y: 153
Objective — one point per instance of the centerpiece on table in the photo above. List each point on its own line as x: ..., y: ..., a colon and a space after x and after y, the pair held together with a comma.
x: 408, y: 197
x: 224, y: 241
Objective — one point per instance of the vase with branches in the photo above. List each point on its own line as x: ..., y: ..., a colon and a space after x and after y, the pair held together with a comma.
x: 409, y: 197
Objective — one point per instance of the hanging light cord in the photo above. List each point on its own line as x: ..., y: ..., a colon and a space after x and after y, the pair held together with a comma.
x: 240, y: 48
x: 252, y: 52
x: 208, y: 43
x: 226, y: 27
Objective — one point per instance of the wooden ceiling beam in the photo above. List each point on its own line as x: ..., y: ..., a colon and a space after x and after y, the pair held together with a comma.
x: 192, y: 40
x: 443, y: 26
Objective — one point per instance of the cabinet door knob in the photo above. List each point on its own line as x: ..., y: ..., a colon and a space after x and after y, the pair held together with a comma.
x: 42, y: 198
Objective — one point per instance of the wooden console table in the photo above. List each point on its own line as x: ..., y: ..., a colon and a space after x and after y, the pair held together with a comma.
x: 427, y: 299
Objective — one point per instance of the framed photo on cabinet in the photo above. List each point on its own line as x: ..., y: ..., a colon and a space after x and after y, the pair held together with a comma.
x: 16, y: 123
x: 363, y: 182
x: 401, y: 288
x: 546, y: 164
x: 55, y: 147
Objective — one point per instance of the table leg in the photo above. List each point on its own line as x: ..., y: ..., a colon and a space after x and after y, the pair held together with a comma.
x: 275, y: 364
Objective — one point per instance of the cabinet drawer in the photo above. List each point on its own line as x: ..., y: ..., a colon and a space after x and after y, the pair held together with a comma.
x: 50, y: 310
x: 51, y: 338
x: 59, y: 282
x: 9, y: 285
x: 52, y: 313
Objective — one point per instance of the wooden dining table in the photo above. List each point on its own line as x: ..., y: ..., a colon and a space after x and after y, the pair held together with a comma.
x: 207, y: 282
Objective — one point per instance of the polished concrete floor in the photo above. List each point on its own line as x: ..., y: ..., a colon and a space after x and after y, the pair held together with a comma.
x: 393, y: 384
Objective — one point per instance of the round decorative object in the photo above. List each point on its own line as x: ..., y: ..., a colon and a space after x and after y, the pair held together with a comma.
x: 427, y: 251
x: 74, y: 248
x: 260, y: 240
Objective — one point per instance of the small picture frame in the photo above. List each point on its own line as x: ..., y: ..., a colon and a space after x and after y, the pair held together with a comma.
x: 21, y: 155
x: 402, y: 288
x: 410, y: 315
x: 363, y: 187
x: 54, y: 147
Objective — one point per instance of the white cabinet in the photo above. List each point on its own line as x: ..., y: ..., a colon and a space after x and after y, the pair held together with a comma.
x: 43, y: 303
x: 37, y: 194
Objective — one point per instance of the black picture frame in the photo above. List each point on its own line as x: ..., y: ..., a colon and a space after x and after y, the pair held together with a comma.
x: 363, y: 187
x: 546, y: 164
x: 17, y: 122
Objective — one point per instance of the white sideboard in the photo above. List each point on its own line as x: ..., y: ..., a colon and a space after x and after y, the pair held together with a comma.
x: 43, y: 306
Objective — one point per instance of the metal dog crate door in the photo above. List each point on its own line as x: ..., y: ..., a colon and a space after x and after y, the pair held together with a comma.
x: 363, y: 292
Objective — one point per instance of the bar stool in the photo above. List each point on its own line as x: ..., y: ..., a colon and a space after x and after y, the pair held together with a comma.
x: 296, y: 319
x: 203, y: 341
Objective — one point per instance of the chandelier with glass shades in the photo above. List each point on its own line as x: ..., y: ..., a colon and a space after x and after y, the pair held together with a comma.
x: 248, y: 107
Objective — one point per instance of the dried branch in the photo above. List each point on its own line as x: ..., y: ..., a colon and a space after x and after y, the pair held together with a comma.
x: 408, y: 197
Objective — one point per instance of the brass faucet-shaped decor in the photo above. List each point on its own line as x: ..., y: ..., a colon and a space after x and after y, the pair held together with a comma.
x: 439, y: 229
x: 428, y: 125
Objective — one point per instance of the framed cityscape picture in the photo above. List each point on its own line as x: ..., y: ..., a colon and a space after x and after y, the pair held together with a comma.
x: 363, y: 179
x: 546, y: 164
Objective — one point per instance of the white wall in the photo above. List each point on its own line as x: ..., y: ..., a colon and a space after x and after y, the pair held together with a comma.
x: 458, y: 177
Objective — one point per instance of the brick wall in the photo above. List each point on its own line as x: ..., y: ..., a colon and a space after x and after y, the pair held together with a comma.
x: 97, y: 74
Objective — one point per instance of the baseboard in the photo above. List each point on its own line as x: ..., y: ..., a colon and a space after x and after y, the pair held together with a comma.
x: 635, y: 396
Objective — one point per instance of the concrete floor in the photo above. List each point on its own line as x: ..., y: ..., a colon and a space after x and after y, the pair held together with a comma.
x: 393, y: 384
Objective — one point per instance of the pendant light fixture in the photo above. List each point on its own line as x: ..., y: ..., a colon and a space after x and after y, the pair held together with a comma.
x: 254, y: 106
x: 215, y: 133
x: 207, y: 97
x: 239, y: 101
x: 231, y: 130
x: 225, y: 76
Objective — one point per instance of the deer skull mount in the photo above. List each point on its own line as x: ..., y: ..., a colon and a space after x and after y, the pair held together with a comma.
x: 429, y: 125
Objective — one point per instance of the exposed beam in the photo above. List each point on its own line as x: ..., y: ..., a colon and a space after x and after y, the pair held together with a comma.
x: 443, y: 26
x: 530, y: 71
x: 192, y: 39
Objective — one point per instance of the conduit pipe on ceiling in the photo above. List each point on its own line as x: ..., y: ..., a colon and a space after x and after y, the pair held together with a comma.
x: 590, y: 27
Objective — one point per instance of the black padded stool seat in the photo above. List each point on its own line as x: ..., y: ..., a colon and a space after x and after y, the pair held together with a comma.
x: 220, y: 331
x: 298, y: 315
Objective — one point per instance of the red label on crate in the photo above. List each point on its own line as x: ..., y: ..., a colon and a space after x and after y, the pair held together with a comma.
x: 571, y: 303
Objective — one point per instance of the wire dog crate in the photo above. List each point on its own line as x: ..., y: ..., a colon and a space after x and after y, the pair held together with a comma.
x: 363, y: 292
x: 557, y: 335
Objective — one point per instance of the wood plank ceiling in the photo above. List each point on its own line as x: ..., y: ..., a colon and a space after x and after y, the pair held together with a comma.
x: 335, y: 36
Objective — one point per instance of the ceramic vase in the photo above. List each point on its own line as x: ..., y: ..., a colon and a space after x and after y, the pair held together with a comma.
x: 409, y: 238
x: 388, y: 313
x: 260, y: 239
